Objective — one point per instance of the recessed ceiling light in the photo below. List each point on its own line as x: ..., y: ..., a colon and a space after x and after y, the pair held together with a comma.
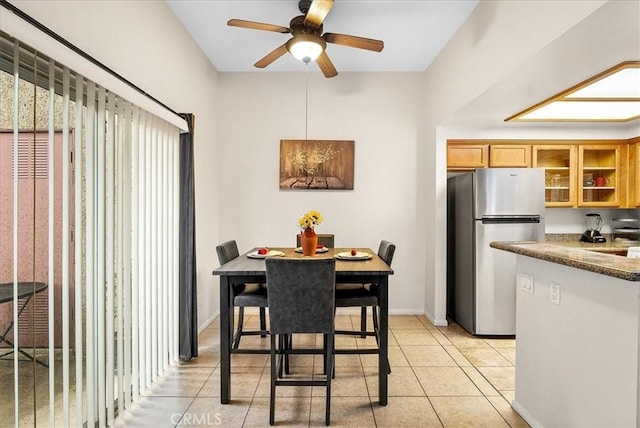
x: 611, y: 96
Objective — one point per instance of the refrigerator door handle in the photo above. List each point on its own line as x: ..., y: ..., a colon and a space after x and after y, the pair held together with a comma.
x: 511, y: 220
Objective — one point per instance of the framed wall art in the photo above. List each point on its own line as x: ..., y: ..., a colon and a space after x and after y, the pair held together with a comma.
x: 316, y: 164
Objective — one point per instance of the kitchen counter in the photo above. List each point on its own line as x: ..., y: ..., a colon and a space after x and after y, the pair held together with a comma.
x: 580, y: 255
x: 571, y: 371
x: 573, y: 240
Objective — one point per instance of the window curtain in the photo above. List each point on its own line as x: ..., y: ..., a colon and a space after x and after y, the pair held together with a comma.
x: 188, y: 309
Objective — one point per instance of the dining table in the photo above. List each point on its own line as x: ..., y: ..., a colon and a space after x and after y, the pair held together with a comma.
x: 250, y: 268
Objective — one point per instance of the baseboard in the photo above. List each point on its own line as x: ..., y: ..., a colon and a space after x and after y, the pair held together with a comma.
x: 207, y: 322
x: 349, y: 311
x: 339, y: 311
x: 533, y: 422
x: 434, y: 321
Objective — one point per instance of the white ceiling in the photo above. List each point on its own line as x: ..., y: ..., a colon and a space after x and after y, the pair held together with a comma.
x: 413, y: 31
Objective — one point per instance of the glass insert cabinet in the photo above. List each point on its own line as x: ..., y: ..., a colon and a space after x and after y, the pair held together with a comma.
x: 600, y: 173
x: 581, y: 175
x: 560, y: 165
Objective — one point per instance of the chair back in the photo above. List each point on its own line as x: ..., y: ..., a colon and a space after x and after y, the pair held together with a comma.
x: 227, y: 251
x: 326, y: 239
x: 386, y: 251
x: 301, y: 295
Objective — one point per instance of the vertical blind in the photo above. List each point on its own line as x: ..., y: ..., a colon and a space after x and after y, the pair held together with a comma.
x: 111, y: 242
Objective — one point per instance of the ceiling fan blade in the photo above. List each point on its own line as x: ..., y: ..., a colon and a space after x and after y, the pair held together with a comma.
x: 326, y: 66
x: 271, y: 56
x: 317, y: 12
x: 257, y: 26
x: 354, y: 41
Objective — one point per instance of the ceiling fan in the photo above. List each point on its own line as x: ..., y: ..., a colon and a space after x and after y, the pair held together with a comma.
x: 308, y: 42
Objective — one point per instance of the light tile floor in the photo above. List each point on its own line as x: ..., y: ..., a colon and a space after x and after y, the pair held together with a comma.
x: 441, y: 376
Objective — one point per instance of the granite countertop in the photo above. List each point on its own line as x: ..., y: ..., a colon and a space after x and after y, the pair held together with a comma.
x: 571, y: 252
x: 573, y: 240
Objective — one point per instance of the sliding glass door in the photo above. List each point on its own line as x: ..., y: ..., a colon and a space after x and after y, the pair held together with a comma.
x: 88, y: 245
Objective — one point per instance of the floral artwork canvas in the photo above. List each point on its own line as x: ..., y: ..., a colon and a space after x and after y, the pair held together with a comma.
x: 316, y: 164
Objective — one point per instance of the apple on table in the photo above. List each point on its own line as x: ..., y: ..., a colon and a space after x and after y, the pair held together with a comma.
x: 263, y: 250
x: 354, y: 252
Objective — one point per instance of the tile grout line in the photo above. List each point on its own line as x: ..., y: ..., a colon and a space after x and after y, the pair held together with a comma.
x: 392, y: 331
x: 422, y: 386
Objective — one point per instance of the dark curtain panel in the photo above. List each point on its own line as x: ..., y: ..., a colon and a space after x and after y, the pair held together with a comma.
x: 188, y: 312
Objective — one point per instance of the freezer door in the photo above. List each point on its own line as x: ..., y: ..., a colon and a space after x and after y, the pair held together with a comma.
x: 509, y: 191
x: 495, y: 271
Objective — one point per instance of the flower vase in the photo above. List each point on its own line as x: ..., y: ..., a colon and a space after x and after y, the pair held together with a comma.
x: 308, y: 241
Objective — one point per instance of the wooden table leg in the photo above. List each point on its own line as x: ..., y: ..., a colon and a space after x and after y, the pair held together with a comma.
x: 225, y: 339
x: 384, y: 339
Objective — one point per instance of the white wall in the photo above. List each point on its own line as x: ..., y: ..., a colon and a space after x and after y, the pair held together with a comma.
x: 379, y: 111
x: 144, y: 42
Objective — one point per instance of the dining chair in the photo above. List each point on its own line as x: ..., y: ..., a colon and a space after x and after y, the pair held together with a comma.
x: 364, y: 295
x: 301, y: 300
x: 244, y: 295
x: 326, y: 239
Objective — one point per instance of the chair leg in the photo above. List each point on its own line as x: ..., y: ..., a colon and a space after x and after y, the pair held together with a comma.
x: 363, y: 322
x: 263, y: 323
x: 232, y: 331
x: 329, y: 356
x: 272, y: 394
x: 238, y: 335
x: 281, y: 353
x: 324, y: 354
x: 288, y: 338
x: 376, y: 329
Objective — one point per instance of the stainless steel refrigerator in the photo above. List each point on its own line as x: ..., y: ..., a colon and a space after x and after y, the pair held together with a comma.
x: 491, y: 204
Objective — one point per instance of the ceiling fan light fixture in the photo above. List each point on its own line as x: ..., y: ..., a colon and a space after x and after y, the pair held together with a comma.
x: 306, y: 47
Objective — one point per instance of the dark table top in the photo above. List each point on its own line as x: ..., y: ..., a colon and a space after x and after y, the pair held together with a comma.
x: 244, y: 265
x: 25, y: 289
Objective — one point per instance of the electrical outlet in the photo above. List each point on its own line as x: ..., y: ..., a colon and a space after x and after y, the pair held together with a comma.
x: 526, y: 282
x: 554, y: 295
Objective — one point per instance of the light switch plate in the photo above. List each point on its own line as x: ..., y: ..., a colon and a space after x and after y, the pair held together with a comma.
x: 526, y: 282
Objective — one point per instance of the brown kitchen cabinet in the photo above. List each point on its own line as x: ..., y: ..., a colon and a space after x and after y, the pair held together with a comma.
x: 467, y: 156
x: 634, y: 174
x: 604, y: 173
x: 601, y: 175
x: 636, y: 183
x: 512, y: 156
x: 560, y: 165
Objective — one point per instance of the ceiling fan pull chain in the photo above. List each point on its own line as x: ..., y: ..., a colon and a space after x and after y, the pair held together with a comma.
x: 306, y: 102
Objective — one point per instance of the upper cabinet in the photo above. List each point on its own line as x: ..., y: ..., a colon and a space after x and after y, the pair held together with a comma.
x: 634, y: 173
x: 467, y: 156
x: 636, y: 176
x: 560, y: 163
x: 507, y: 155
x: 602, y: 175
